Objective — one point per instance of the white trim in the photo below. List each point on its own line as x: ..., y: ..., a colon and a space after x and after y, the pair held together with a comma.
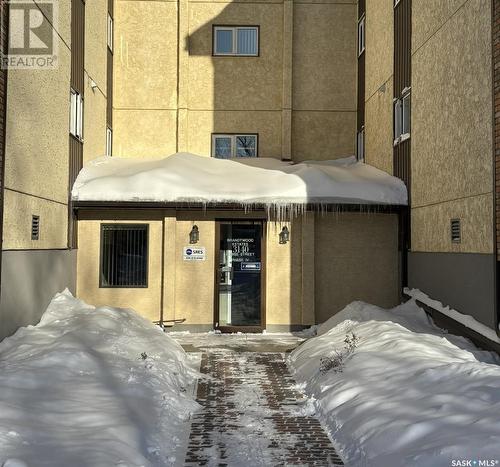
x: 404, y: 137
x: 76, y: 114
x: 234, y: 30
x: 110, y: 33
x: 406, y: 91
x: 396, y: 2
x: 109, y: 141
x: 361, y: 35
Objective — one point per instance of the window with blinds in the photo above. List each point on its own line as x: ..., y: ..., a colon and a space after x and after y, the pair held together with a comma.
x: 124, y: 255
x: 236, y: 41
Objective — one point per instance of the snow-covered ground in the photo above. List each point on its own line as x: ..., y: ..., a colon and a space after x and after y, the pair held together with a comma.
x: 409, y: 395
x: 93, y: 387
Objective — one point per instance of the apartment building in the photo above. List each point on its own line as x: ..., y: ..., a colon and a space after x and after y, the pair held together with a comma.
x: 229, y: 80
x: 392, y: 81
x: 434, y: 62
x: 55, y: 117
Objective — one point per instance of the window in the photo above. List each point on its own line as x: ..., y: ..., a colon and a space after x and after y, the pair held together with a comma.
x: 109, y: 141
x: 236, y: 40
x: 76, y: 115
x: 110, y: 32
x: 402, y: 117
x: 124, y: 255
x: 360, y: 145
x: 361, y: 36
x: 406, y: 115
x: 228, y: 146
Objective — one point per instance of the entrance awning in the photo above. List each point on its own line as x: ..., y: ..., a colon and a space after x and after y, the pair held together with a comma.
x: 185, y: 178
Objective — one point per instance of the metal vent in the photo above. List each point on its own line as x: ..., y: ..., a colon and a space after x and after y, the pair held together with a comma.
x: 456, y: 231
x: 35, y: 227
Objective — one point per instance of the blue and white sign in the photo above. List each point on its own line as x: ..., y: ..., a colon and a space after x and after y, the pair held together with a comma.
x: 190, y: 253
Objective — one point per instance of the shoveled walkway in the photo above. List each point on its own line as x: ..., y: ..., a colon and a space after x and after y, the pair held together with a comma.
x: 253, y: 415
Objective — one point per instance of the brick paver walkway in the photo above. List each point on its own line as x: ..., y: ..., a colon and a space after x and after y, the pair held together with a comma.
x: 254, y: 416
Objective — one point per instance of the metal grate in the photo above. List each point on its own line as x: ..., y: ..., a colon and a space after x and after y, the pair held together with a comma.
x: 456, y: 231
x: 124, y: 255
x: 35, y: 227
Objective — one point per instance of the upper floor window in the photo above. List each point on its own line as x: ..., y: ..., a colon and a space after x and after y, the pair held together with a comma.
x: 361, y: 36
x: 76, y: 115
x: 236, y: 40
x: 110, y: 32
x: 402, y: 116
x: 229, y: 146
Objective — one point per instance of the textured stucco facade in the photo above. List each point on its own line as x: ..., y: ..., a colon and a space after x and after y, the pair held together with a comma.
x: 379, y: 73
x: 307, y: 280
x: 171, y: 93
x: 452, y: 161
x: 37, y: 169
x: 452, y: 147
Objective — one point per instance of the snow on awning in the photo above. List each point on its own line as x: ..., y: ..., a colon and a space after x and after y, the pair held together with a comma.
x: 188, y: 178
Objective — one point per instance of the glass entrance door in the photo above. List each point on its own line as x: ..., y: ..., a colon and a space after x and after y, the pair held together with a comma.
x: 239, y: 275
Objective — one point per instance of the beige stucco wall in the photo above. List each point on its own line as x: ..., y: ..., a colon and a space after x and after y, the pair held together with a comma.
x: 356, y: 257
x: 36, y: 159
x: 96, y: 14
x: 171, y: 94
x: 431, y: 225
x: 379, y: 60
x: 378, y: 128
x: 19, y: 209
x: 330, y: 261
x: 284, y: 274
x: 194, y: 280
x: 145, y: 78
x: 451, y: 126
x: 146, y: 301
x: 37, y: 133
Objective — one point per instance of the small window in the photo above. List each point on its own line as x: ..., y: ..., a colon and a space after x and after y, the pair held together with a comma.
x: 124, y: 255
x: 236, y: 40
x: 109, y: 142
x: 456, y: 231
x: 35, y: 227
x: 110, y: 32
x: 406, y: 115
x: 397, y: 120
x: 76, y: 115
x: 402, y: 117
x: 229, y: 146
x: 360, y: 145
x: 361, y: 36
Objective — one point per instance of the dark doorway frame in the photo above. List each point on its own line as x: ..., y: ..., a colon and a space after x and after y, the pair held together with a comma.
x: 245, y: 329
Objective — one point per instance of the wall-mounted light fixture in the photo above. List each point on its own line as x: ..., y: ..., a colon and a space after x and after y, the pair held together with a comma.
x: 284, y: 235
x: 194, y: 235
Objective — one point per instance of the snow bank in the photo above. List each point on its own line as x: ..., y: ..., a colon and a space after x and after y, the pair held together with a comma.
x: 75, y: 390
x: 467, y: 320
x: 185, y: 177
x: 410, y: 395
